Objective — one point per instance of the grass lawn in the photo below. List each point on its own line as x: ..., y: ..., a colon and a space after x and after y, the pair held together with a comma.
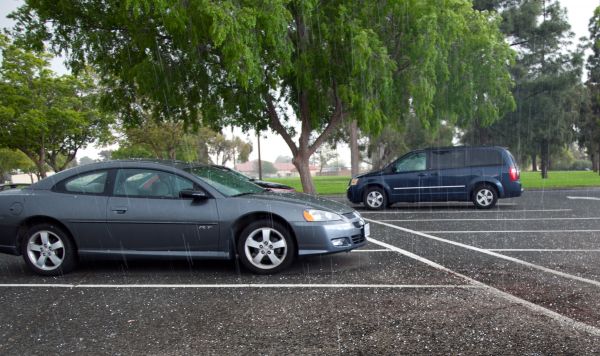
x: 530, y: 180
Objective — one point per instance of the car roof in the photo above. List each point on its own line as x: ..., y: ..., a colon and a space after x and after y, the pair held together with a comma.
x: 462, y: 147
x: 169, y: 165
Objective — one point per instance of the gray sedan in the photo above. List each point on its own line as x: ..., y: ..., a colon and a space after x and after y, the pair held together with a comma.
x: 168, y: 209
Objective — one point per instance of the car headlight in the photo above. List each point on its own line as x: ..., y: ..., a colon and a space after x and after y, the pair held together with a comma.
x: 354, y: 181
x: 320, y: 215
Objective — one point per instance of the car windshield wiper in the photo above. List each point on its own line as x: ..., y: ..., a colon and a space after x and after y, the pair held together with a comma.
x: 244, y: 193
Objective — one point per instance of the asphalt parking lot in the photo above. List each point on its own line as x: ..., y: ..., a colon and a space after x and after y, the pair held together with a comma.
x: 442, y: 278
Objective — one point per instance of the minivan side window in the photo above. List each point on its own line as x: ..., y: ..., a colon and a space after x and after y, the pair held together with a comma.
x: 414, y: 162
x: 484, y: 157
x: 447, y: 159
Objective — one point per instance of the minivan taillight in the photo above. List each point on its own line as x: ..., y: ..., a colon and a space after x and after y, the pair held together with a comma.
x: 513, y: 173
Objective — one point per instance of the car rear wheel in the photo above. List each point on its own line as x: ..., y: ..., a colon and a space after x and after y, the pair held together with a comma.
x: 48, y: 250
x: 375, y: 198
x: 485, y: 197
x: 266, y: 247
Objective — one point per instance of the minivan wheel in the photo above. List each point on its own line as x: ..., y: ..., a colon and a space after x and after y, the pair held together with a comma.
x: 48, y: 250
x: 266, y: 247
x: 375, y: 198
x: 485, y: 197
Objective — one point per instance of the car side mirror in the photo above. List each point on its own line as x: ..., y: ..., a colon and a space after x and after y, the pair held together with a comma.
x: 192, y: 194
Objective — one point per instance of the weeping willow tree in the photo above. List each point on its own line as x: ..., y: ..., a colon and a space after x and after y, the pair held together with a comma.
x: 270, y: 63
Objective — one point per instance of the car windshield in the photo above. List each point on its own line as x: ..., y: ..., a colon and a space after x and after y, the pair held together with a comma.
x: 227, y: 183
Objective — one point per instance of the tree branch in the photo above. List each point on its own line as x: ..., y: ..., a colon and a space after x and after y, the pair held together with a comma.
x: 336, y: 118
x: 276, y: 125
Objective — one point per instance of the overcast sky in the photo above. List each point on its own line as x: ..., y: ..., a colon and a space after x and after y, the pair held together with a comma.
x: 578, y: 11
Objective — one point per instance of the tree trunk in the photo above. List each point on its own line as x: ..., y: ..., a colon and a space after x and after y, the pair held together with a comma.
x: 598, y: 159
x: 534, y: 162
x: 544, y: 158
x: 303, y: 167
x: 354, y: 154
x: 594, y: 162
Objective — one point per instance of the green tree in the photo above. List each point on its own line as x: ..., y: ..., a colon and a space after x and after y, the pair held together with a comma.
x: 11, y: 160
x: 248, y: 62
x: 547, y: 78
x: 589, y: 124
x: 46, y: 117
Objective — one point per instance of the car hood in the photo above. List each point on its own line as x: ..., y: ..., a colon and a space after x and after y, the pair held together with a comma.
x: 308, y: 201
x: 265, y: 184
x: 370, y: 174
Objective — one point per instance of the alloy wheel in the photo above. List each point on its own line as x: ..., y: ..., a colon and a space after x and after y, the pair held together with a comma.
x: 265, y: 248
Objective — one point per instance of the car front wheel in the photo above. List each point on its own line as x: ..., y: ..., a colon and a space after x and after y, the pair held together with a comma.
x: 485, y: 197
x: 375, y: 198
x: 48, y: 250
x: 266, y: 247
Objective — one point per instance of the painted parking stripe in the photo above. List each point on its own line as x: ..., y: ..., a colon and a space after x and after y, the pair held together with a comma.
x: 472, y: 211
x: 583, y: 198
x: 491, y: 253
x: 564, y: 320
x: 375, y: 250
x: 236, y: 285
x: 492, y: 219
x: 541, y: 250
x: 499, y: 231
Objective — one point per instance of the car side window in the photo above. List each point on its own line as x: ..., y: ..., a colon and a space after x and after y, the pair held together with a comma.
x: 414, y: 162
x: 150, y: 183
x: 447, y: 159
x: 86, y: 183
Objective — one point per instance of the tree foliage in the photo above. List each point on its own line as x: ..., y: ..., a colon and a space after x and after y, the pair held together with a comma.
x: 589, y: 124
x: 249, y: 62
x: 11, y: 160
x: 547, y: 82
x: 48, y: 118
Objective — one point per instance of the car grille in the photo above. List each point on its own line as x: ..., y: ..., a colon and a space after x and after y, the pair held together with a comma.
x: 356, y: 239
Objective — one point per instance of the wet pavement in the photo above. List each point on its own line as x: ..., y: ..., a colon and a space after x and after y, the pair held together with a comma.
x: 441, y: 278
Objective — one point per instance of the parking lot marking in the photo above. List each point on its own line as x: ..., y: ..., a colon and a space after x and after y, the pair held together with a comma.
x: 236, y: 285
x: 491, y: 253
x: 471, y: 211
x: 498, y: 231
x: 541, y: 250
x: 565, y: 320
x: 583, y: 198
x: 375, y: 250
x: 499, y: 219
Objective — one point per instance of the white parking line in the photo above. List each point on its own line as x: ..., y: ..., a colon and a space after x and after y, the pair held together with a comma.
x: 218, y: 286
x: 491, y: 253
x: 541, y: 250
x: 511, y: 298
x: 376, y: 250
x: 583, y: 198
x: 499, y: 231
x: 472, y: 211
x: 492, y: 219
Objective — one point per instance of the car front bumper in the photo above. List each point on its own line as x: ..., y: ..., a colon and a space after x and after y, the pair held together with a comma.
x: 318, y: 238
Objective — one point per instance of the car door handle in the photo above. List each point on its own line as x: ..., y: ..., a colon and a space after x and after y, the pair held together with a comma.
x: 119, y: 210
x: 423, y: 174
x: 434, y: 174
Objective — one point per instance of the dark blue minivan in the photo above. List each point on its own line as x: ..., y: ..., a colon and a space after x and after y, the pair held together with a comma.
x: 478, y: 174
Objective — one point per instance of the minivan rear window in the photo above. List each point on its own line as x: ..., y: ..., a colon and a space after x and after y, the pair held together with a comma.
x: 484, y: 157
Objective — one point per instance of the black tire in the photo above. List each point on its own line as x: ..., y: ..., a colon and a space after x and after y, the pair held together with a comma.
x: 375, y: 198
x: 52, y: 249
x: 249, y: 251
x: 485, y: 196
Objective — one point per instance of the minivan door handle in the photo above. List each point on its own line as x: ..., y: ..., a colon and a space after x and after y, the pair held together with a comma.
x: 423, y: 174
x: 119, y: 210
